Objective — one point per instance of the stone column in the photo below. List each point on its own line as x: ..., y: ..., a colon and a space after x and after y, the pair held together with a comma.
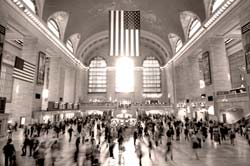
x: 164, y: 86
x: 138, y: 83
x: 79, y: 84
x: 181, y: 82
x: 219, y: 64
x: 69, y: 84
x: 111, y: 83
x: 170, y: 84
x: 220, y: 71
x: 23, y: 96
x: 244, y: 20
x: 56, y: 79
x: 193, y: 77
x: 84, y: 86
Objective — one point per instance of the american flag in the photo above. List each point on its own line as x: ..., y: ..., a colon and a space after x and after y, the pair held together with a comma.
x: 124, y: 33
x: 24, y: 70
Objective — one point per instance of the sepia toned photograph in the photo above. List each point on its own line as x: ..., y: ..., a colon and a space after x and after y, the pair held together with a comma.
x: 124, y: 83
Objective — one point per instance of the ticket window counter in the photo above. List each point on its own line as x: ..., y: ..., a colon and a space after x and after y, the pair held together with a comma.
x: 69, y: 115
x: 47, y: 118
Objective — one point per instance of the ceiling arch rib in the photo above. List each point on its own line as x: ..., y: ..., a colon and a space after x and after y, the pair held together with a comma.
x: 187, y: 18
x: 89, y: 18
x: 207, y: 7
x: 214, y: 5
x: 40, y: 5
x: 102, y: 37
x: 75, y: 39
x: 61, y: 18
x: 31, y: 4
x: 194, y: 27
x: 53, y: 26
x: 175, y: 41
x: 69, y: 45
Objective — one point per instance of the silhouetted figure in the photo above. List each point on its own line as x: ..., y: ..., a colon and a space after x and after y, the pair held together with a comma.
x: 26, y: 142
x: 111, y: 148
x: 31, y: 145
x: 139, y: 153
x: 70, y: 131
x: 9, y: 153
x: 135, y: 137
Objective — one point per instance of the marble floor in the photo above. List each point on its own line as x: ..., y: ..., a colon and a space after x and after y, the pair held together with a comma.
x: 210, y: 155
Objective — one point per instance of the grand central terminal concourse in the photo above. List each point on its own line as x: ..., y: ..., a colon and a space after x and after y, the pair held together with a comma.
x: 124, y: 83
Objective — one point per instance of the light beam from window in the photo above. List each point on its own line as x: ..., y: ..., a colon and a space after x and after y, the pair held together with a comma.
x: 124, y: 75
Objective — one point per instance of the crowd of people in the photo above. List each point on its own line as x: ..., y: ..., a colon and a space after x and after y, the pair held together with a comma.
x: 95, y: 131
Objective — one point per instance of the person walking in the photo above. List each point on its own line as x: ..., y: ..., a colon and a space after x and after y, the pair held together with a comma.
x: 26, y: 143
x: 111, y: 148
x: 135, y: 137
x: 139, y: 153
x: 195, y: 145
x: 232, y: 136
x: 40, y: 154
x: 150, y: 147
x: 169, y: 149
x: 9, y: 153
x: 54, y: 149
x: 70, y: 131
x: 78, y: 141
x: 186, y: 133
x: 31, y: 145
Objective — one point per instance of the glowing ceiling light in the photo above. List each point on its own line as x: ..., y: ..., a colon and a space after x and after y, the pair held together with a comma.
x: 26, y: 10
x: 20, y: 5
x: 226, y: 5
x: 229, y: 2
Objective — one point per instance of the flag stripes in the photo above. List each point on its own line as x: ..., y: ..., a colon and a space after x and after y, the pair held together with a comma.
x: 124, y: 33
x: 24, y: 70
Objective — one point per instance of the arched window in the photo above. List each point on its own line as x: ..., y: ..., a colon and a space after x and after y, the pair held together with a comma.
x: 97, y: 76
x: 195, y: 25
x: 69, y: 45
x: 31, y: 4
x: 216, y: 4
x: 53, y: 26
x: 151, y: 76
x: 178, y: 45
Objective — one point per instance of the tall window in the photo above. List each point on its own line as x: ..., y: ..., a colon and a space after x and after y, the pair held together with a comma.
x: 69, y: 45
x: 151, y: 76
x: 53, y: 26
x: 6, y: 81
x: 195, y: 25
x: 97, y: 76
x: 178, y: 46
x: 216, y: 4
x: 31, y: 4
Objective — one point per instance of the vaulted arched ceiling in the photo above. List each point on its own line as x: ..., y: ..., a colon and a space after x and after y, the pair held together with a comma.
x: 89, y: 17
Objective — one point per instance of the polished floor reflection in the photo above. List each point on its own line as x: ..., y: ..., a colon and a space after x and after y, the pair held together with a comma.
x: 210, y: 154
